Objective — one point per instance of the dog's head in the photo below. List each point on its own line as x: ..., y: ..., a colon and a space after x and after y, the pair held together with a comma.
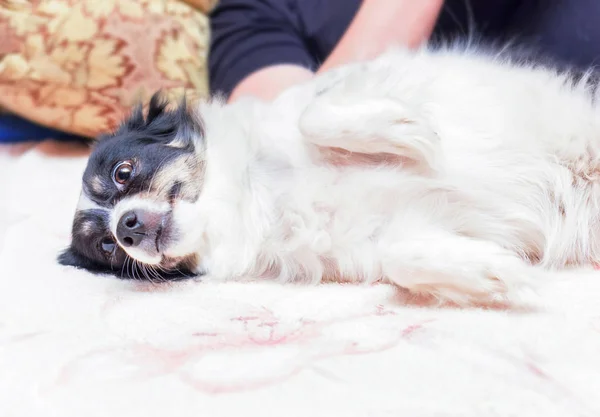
x: 136, y: 187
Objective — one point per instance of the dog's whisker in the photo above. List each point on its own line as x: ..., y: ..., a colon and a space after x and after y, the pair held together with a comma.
x: 143, y: 273
x: 148, y: 272
x: 137, y: 271
x: 125, y: 266
x: 154, y: 271
x: 132, y: 263
x: 151, y: 273
x: 140, y: 270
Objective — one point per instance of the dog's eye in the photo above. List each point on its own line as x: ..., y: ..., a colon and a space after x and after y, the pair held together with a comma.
x: 108, y: 245
x: 123, y: 172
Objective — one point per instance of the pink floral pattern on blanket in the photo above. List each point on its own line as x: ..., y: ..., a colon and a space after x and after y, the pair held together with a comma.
x: 253, y: 350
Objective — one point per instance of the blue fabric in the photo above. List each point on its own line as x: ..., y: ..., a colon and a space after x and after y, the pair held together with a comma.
x: 14, y: 129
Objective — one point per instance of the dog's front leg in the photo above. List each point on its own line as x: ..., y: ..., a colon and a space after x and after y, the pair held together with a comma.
x: 373, y: 126
x: 459, y: 269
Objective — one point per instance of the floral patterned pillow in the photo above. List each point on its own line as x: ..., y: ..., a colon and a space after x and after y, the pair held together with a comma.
x: 79, y: 65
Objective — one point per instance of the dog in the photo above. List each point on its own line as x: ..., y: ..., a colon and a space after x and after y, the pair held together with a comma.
x: 454, y: 172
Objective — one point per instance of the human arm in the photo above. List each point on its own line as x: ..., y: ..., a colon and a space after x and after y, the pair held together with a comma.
x: 382, y: 23
x: 407, y: 22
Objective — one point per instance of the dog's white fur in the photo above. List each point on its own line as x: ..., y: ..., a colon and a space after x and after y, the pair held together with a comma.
x: 493, y: 175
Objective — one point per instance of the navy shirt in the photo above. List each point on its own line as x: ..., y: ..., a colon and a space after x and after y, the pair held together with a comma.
x: 251, y: 34
x: 248, y: 35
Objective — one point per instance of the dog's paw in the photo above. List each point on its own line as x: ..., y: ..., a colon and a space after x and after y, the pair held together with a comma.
x: 371, y: 125
x: 463, y: 271
x: 498, y: 284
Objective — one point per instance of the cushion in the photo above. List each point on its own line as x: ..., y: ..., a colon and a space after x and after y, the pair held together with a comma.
x: 79, y: 65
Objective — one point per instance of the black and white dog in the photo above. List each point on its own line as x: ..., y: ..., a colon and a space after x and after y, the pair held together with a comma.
x: 451, y: 172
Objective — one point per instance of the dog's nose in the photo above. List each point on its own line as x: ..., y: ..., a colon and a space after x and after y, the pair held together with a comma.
x: 135, y: 226
x: 131, y: 229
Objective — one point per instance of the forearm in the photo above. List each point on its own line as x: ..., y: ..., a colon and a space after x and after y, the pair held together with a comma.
x: 381, y: 23
x: 267, y: 83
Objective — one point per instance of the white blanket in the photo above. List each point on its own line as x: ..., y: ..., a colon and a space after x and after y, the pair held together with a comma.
x: 73, y: 344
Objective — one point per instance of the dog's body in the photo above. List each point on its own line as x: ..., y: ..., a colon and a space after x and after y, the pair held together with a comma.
x: 452, y: 173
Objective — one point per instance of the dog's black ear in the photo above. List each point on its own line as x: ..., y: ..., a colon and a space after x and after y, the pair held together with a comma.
x: 70, y: 257
x: 189, y: 126
x: 133, y: 122
x: 137, y: 120
x: 179, y: 126
x: 103, y: 136
x: 156, y: 107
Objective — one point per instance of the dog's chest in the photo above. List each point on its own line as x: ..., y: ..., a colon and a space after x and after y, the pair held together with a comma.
x: 324, y: 217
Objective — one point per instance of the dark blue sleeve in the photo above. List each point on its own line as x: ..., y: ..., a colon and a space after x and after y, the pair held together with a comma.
x: 247, y: 35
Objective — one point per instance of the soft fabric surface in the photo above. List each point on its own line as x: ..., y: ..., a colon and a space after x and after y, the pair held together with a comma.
x: 79, y: 65
x: 73, y: 344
